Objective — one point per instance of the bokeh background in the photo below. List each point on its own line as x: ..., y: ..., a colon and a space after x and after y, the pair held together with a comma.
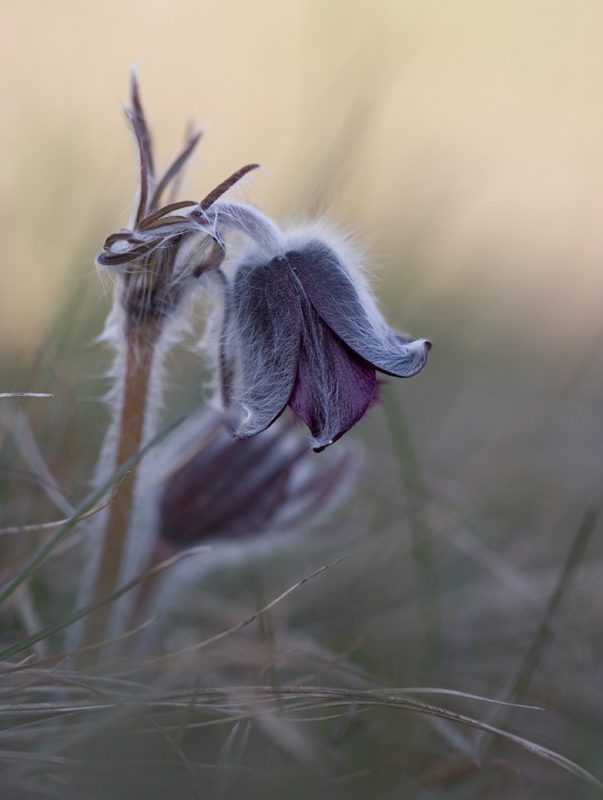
x: 462, y: 143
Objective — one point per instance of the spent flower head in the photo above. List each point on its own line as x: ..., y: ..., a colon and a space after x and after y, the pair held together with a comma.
x: 166, y: 248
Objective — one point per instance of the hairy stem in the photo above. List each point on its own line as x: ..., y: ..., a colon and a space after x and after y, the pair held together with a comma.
x: 140, y: 351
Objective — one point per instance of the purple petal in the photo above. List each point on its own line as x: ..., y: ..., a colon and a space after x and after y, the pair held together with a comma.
x: 265, y: 335
x: 336, y: 299
x: 232, y: 489
x: 334, y: 387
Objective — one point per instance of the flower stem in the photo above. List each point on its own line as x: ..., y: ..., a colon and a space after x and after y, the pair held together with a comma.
x: 140, y: 352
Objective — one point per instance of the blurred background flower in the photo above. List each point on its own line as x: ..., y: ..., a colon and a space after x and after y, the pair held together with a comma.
x: 221, y: 489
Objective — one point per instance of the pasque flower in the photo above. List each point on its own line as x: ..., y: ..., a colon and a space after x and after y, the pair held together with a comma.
x: 224, y: 489
x: 302, y: 329
x: 300, y: 326
x: 227, y: 491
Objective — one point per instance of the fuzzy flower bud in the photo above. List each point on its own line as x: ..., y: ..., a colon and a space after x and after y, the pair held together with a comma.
x: 231, y: 489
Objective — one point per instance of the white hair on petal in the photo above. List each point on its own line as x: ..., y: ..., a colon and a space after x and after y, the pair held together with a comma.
x: 351, y: 252
x: 263, y: 341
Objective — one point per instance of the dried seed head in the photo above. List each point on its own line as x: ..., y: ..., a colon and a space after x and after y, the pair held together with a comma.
x: 167, y: 247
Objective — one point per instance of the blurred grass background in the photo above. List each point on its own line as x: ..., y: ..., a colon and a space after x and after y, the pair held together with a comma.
x: 463, y: 141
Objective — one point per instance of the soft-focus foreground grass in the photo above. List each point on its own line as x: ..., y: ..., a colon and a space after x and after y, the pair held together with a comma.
x: 473, y: 545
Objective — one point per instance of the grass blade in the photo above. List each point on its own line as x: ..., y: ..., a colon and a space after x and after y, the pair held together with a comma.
x: 87, y: 506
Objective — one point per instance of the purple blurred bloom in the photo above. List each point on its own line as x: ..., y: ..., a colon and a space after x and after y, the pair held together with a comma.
x: 301, y: 331
x: 224, y: 488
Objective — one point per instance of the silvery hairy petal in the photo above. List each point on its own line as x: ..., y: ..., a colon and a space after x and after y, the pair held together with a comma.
x: 265, y: 334
x: 334, y: 296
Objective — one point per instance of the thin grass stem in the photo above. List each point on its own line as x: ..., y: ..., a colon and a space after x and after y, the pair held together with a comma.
x: 25, y: 394
x: 576, y: 554
x: 422, y: 533
x: 49, y: 526
x: 95, y: 606
x: 55, y: 540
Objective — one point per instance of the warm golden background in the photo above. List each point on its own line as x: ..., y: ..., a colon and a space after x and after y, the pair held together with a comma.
x: 465, y: 135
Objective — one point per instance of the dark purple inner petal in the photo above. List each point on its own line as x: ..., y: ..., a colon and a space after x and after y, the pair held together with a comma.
x: 333, y: 387
x: 231, y: 489
x: 334, y: 296
x: 265, y: 335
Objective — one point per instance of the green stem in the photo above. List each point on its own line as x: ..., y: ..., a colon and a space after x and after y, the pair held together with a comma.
x: 422, y: 534
x: 575, y: 556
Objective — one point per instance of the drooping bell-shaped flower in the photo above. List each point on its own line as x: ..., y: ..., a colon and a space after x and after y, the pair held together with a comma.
x: 301, y: 329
